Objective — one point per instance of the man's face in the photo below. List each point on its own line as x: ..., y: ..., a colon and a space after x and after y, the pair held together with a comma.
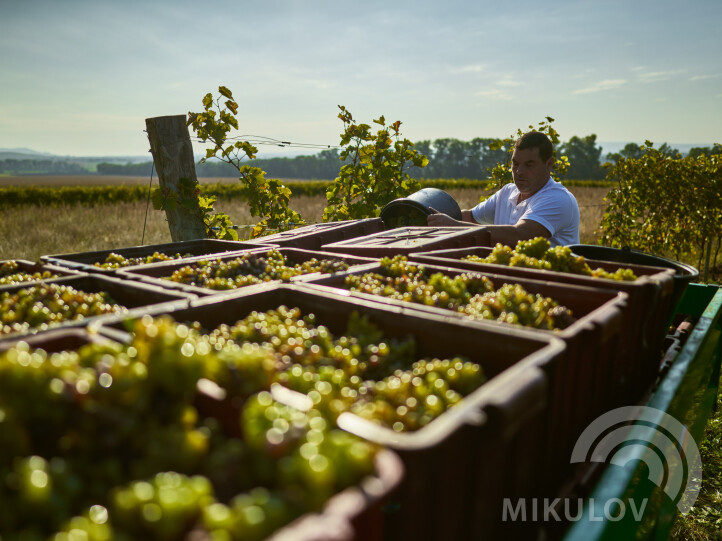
x: 529, y: 171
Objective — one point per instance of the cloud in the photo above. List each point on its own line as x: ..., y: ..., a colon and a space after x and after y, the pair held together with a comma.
x: 507, y: 82
x: 475, y: 68
x: 495, y: 94
x: 654, y: 76
x: 704, y: 77
x: 606, y: 84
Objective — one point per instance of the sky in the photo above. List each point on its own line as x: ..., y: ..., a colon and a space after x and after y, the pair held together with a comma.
x: 79, y: 77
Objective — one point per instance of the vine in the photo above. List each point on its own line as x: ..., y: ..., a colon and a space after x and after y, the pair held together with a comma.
x: 268, y: 198
x: 666, y: 204
x: 376, y: 173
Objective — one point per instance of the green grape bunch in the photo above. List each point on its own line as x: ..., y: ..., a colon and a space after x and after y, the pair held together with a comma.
x: 116, y: 261
x: 469, y: 293
x: 401, y: 280
x: 249, y: 269
x: 408, y: 400
x: 538, y: 254
x: 355, y: 371
x: 10, y: 274
x: 162, y: 468
x: 46, y: 305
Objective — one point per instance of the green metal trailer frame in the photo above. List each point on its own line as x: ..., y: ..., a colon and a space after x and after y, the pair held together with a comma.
x: 688, y: 392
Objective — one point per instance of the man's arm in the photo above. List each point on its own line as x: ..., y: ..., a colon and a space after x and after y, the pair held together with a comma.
x: 509, y: 235
x: 438, y: 219
x: 504, y: 234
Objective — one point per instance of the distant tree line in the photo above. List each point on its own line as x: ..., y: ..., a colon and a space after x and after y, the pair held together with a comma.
x: 41, y: 167
x: 448, y: 158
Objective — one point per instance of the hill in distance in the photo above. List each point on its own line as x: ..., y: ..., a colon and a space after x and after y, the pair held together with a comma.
x: 28, y: 154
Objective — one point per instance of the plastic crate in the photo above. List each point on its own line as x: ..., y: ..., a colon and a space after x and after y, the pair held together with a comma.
x: 155, y: 272
x: 69, y: 339
x: 583, y: 385
x: 406, y: 240
x: 33, y: 267
x: 356, y: 513
x: 683, y: 273
x: 134, y: 296
x: 461, y: 465
x: 312, y: 237
x: 644, y: 319
x: 84, y: 261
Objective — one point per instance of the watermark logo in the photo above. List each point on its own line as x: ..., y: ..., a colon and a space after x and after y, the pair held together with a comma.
x: 652, y: 436
x: 621, y: 436
x: 571, y: 509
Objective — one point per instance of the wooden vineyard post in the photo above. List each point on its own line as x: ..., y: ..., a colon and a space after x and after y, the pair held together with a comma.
x: 170, y: 144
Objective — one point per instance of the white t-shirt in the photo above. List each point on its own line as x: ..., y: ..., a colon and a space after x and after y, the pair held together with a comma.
x: 553, y: 206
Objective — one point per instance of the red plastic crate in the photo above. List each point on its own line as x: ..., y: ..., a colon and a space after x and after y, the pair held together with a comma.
x: 312, y: 237
x: 644, y: 319
x: 66, y: 339
x: 406, y: 240
x: 134, y: 296
x: 461, y: 465
x: 84, y: 261
x: 155, y: 272
x: 583, y: 385
x: 353, y: 514
x: 33, y: 267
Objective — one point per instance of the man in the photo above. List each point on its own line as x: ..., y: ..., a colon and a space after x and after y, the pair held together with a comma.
x: 533, y: 206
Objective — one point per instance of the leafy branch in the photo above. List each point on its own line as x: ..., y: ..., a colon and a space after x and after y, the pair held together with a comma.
x: 268, y: 198
x: 376, y: 170
x: 665, y: 204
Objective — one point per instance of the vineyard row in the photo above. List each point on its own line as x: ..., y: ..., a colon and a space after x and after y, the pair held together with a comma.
x: 13, y: 196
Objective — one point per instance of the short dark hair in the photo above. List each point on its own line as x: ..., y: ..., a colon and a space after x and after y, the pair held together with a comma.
x: 536, y: 139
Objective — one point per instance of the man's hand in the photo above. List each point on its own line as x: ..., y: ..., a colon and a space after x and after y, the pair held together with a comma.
x: 438, y: 219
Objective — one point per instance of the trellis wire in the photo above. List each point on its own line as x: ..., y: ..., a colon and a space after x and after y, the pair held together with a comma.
x: 263, y: 140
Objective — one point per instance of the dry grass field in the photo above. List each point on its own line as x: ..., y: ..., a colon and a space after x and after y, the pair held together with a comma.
x: 92, y: 180
x: 28, y: 232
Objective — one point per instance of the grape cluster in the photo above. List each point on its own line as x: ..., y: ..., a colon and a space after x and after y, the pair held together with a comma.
x: 10, y: 274
x: 537, y: 254
x: 249, y: 269
x: 45, y: 305
x: 162, y: 466
x: 470, y: 293
x: 356, y: 371
x: 401, y: 280
x: 511, y: 303
x: 410, y: 399
x: 116, y: 261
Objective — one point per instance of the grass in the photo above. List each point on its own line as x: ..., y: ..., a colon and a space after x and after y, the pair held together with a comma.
x: 704, y: 521
x: 90, y: 180
x: 29, y: 232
